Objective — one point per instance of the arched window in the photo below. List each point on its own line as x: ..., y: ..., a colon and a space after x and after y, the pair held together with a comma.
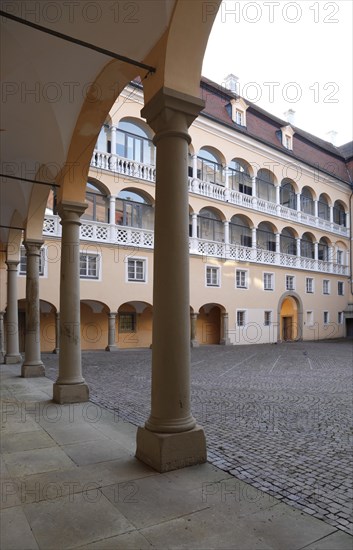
x: 307, y: 248
x: 339, y: 214
x: 265, y: 237
x: 133, y: 142
x: 323, y: 208
x: 209, y: 168
x: 288, y: 243
x: 306, y: 201
x: 323, y: 249
x: 239, y: 231
x: 97, y: 209
x: 239, y: 177
x: 133, y: 210
x: 210, y: 227
x: 265, y: 185
x: 103, y: 141
x: 287, y: 194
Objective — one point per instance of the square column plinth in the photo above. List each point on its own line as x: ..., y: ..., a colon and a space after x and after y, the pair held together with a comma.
x: 70, y: 393
x: 170, y: 451
x: 33, y: 370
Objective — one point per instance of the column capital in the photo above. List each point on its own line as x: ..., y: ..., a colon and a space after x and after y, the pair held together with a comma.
x: 33, y: 246
x: 160, y: 111
x: 112, y: 314
x: 12, y: 264
x: 71, y: 211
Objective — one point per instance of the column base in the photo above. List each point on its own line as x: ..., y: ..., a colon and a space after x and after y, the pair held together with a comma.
x: 194, y: 344
x: 2, y: 357
x: 32, y: 370
x: 11, y: 359
x: 70, y: 393
x: 112, y: 348
x: 165, y: 452
x: 56, y: 351
x: 224, y: 342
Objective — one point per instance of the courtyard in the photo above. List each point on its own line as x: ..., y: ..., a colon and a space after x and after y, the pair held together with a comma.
x: 275, y: 416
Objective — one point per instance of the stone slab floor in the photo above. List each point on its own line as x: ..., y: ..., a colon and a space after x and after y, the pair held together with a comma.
x: 277, y: 425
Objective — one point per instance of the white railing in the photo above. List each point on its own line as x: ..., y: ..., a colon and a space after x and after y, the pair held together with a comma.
x: 144, y: 238
x: 139, y: 170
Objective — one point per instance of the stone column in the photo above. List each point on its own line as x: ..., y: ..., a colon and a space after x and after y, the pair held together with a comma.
x: 193, y: 247
x: 254, y: 189
x: 194, y: 166
x: 171, y: 439
x: 298, y: 196
x: 278, y: 194
x: 193, y: 318
x: 13, y: 349
x: 278, y: 247
x: 113, y: 140
x: 70, y: 386
x: 2, y: 337
x: 253, y: 243
x: 298, y: 247
x: 226, y: 232
x: 316, y: 209
x: 57, y: 333
x: 32, y: 365
x: 112, y: 201
x: 224, y: 330
x: 111, y: 332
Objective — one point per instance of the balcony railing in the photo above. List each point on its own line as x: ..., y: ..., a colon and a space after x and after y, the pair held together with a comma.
x: 146, y: 172
x: 144, y: 238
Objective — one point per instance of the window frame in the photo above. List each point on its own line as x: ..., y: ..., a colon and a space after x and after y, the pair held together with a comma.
x: 292, y: 278
x: 242, y: 312
x: 245, y: 272
x: 133, y: 317
x: 340, y: 317
x: 326, y: 283
x: 340, y: 284
x: 326, y: 317
x: 211, y: 269
x: 308, y: 322
x: 136, y: 259
x: 268, y: 322
x: 312, y: 290
x: 98, y: 258
x: 271, y: 276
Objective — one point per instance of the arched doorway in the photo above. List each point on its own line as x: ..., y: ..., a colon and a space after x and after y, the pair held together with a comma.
x: 134, y: 325
x: 209, y: 325
x: 290, y: 317
x: 94, y: 325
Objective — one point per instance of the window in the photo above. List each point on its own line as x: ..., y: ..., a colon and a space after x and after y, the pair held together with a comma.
x: 89, y: 266
x: 240, y: 318
x: 212, y: 276
x: 23, y: 261
x: 127, y: 322
x: 290, y: 282
x: 287, y: 136
x: 340, y: 318
x: 326, y: 317
x: 136, y: 270
x: 133, y: 142
x: 241, y: 278
x: 239, y: 117
x: 288, y: 142
x: 239, y: 108
x: 309, y: 318
x: 267, y: 318
x: 326, y: 286
x: 339, y: 257
x: 268, y: 281
x: 340, y: 288
x: 309, y: 285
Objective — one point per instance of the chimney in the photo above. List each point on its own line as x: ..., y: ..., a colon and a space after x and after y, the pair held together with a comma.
x: 231, y: 83
x: 290, y: 116
x: 332, y: 136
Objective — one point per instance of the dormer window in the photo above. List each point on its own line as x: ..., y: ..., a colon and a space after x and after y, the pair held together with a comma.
x: 239, y: 108
x: 287, y: 137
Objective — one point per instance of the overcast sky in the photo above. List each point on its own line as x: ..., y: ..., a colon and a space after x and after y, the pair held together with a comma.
x: 288, y: 55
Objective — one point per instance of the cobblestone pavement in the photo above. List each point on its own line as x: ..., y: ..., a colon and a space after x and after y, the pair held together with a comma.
x: 276, y: 416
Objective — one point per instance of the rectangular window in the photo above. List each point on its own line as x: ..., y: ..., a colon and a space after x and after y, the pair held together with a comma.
x: 309, y: 285
x: 136, y: 270
x: 326, y: 286
x: 89, y: 266
x: 267, y: 318
x: 309, y: 318
x: 326, y: 317
x: 340, y: 288
x: 127, y: 322
x: 288, y: 141
x: 268, y: 281
x: 23, y: 261
x: 339, y: 257
x: 340, y: 318
x: 239, y: 117
x: 241, y: 278
x: 240, y: 318
x: 290, y: 282
x: 212, y: 276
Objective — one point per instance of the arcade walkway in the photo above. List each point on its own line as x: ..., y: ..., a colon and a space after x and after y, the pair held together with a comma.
x: 70, y: 480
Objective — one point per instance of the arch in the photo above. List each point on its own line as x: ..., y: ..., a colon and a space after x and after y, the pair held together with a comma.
x: 210, y: 225
x: 134, y: 208
x: 340, y: 213
x: 288, y: 192
x: 288, y: 241
x: 209, y: 324
x: 307, y: 249
x: 94, y: 324
x: 134, y: 324
x: 96, y: 198
x: 324, y: 249
x: 290, y: 307
x: 307, y: 197
x: 265, y: 236
x: 240, y: 176
x: 324, y: 204
x: 134, y: 141
x: 47, y: 326
x: 265, y: 185
x: 210, y: 165
x: 240, y: 230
